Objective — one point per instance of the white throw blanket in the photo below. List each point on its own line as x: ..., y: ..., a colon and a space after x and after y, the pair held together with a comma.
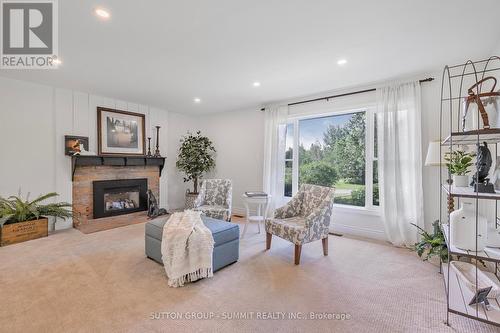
x: 186, y: 248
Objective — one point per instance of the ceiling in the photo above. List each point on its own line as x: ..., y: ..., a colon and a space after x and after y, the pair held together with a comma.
x: 166, y: 53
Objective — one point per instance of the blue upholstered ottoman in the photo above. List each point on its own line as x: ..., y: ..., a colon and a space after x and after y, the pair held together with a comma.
x: 226, y: 236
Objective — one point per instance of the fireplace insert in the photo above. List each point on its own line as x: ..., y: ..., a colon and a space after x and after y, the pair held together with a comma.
x: 117, y: 197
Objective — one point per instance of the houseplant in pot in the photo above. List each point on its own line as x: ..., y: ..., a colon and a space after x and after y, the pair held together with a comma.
x: 22, y: 220
x: 458, y: 164
x: 431, y: 244
x: 196, y: 157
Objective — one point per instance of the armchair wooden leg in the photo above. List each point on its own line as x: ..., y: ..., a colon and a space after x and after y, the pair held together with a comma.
x: 269, y: 237
x: 298, y: 249
x: 325, y: 246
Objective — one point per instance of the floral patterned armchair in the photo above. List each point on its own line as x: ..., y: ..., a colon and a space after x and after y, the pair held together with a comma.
x: 305, y: 218
x: 214, y: 199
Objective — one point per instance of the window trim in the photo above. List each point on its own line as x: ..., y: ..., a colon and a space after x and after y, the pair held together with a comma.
x: 370, y: 157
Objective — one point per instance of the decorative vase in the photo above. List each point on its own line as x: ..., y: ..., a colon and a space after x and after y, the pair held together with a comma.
x: 190, y: 199
x: 460, y: 180
x: 463, y: 227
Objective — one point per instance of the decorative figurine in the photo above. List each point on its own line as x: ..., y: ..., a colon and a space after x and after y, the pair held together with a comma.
x: 483, y: 164
x: 149, y: 148
x: 157, y: 151
x: 153, y: 209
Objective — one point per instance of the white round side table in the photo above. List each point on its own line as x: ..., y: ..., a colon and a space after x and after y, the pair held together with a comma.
x: 262, y: 205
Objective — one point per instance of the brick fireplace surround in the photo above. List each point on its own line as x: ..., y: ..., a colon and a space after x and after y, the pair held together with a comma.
x: 83, y: 187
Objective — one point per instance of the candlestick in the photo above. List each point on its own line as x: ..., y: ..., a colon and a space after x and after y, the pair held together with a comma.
x: 157, y: 151
x: 149, y: 148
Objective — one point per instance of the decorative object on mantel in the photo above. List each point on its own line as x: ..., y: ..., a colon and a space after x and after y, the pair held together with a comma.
x: 154, y: 209
x: 196, y: 157
x: 22, y: 220
x: 149, y: 148
x: 463, y: 227
x: 483, y: 165
x: 157, y: 151
x: 487, y: 104
x: 75, y: 144
x: 458, y: 164
x: 120, y: 132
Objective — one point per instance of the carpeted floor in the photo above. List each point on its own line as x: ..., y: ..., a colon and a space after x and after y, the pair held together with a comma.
x: 102, y: 282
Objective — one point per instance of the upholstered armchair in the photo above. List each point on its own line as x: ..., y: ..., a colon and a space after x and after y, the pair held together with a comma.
x: 214, y: 199
x: 304, y: 219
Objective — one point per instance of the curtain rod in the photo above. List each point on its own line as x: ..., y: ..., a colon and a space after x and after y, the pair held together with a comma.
x: 429, y: 79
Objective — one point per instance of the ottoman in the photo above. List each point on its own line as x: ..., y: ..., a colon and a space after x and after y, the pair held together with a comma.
x: 226, y: 236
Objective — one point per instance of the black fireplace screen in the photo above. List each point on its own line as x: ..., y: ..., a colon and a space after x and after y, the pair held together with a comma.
x: 117, y: 197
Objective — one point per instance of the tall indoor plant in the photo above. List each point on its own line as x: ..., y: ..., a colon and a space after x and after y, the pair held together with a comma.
x: 22, y: 220
x: 196, y: 157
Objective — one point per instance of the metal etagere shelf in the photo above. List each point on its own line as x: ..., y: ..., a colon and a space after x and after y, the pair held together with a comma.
x: 455, y: 82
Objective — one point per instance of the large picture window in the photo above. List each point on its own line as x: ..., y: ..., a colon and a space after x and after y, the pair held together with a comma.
x: 334, y: 150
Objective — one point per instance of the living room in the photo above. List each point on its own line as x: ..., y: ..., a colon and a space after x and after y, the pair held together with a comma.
x: 260, y: 166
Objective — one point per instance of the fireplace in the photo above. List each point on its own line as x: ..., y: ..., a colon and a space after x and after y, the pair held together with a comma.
x: 118, y: 197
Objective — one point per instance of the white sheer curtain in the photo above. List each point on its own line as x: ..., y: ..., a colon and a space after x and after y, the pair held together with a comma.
x: 274, y: 153
x: 400, y: 160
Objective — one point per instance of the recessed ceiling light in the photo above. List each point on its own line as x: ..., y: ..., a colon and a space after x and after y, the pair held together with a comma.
x: 256, y: 84
x: 341, y: 62
x: 102, y: 13
x: 197, y: 100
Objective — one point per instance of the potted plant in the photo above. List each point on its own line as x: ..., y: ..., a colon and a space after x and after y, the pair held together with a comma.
x: 433, y: 244
x: 458, y: 163
x: 196, y: 157
x: 22, y: 220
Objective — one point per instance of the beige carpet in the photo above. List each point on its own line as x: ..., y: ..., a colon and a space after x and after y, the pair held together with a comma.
x: 102, y: 282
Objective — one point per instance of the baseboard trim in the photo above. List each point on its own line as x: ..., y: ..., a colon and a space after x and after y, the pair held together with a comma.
x: 357, y: 231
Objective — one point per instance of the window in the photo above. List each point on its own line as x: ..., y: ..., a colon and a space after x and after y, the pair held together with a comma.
x: 334, y: 150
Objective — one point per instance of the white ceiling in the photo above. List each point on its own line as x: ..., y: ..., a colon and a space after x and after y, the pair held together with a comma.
x: 165, y: 53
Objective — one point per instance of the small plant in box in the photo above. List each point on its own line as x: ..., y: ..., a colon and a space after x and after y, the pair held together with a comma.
x: 22, y: 220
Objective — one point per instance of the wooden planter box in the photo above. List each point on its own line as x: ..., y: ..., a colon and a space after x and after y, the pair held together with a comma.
x: 23, y: 231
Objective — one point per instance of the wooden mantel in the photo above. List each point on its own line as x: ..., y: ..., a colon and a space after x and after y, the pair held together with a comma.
x: 115, y: 160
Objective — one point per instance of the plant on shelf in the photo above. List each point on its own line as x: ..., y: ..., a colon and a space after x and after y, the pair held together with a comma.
x: 458, y: 163
x: 196, y: 157
x: 24, y: 219
x: 433, y: 244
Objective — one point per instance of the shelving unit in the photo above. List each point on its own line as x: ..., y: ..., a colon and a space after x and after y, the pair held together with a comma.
x: 489, y: 254
x: 455, y: 82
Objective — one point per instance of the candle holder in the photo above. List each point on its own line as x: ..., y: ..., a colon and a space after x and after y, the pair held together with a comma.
x: 149, y: 148
x: 157, y: 151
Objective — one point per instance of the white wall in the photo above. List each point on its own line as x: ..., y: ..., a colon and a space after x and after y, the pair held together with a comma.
x: 33, y: 121
x: 238, y: 137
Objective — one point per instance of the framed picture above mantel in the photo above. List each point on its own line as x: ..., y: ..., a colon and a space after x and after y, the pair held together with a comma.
x: 120, y: 132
